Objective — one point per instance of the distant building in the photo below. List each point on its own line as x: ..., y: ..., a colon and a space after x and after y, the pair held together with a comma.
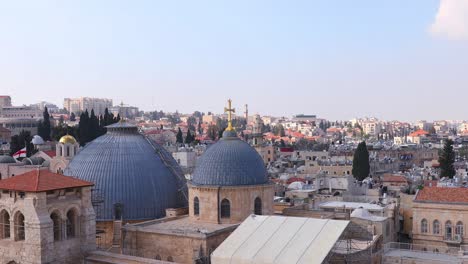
x: 305, y: 118
x: 82, y: 104
x: 124, y: 111
x: 21, y: 112
x: 5, y: 100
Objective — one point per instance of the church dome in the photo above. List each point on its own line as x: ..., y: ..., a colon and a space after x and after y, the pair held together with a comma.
x: 129, y: 172
x: 230, y: 162
x: 67, y: 139
x: 7, y: 159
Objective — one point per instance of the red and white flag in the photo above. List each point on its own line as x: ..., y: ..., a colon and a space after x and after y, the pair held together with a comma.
x: 20, y: 153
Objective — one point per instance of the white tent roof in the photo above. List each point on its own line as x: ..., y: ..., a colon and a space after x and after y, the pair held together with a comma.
x: 279, y: 239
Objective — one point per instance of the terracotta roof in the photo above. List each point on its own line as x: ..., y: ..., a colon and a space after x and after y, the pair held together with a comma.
x: 419, y: 133
x: 394, y: 178
x: 442, y: 195
x: 50, y: 153
x: 41, y: 181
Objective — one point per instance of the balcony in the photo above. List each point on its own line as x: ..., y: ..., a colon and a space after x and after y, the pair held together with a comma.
x: 455, y: 240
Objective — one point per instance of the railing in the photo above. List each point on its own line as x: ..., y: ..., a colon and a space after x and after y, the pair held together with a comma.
x: 435, y: 249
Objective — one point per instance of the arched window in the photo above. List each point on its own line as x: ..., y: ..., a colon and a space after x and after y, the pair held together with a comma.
x: 225, y: 208
x: 68, y: 151
x: 158, y: 257
x: 436, y: 227
x: 5, y: 222
x: 170, y: 259
x: 196, y: 206
x: 424, y: 226
x: 71, y: 223
x: 60, y: 151
x: 56, y: 225
x: 459, y: 229
x: 19, y: 227
x: 258, y: 206
x: 448, y: 230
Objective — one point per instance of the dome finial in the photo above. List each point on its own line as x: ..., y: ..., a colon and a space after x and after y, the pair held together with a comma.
x: 229, y: 110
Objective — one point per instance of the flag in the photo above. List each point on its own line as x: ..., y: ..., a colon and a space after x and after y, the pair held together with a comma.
x: 20, y: 153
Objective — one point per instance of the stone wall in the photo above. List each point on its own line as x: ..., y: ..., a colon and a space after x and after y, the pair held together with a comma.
x: 241, y: 200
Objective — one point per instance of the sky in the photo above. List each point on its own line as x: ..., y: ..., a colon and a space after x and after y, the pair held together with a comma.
x: 392, y: 59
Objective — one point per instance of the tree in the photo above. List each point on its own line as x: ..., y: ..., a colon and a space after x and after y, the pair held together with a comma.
x: 20, y: 141
x: 212, y: 132
x: 44, y: 127
x: 73, y: 117
x: 361, y: 166
x: 83, y: 128
x: 189, y: 138
x: 446, y: 160
x: 179, y: 137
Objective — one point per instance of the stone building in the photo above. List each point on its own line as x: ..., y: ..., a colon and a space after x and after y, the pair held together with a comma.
x: 45, y: 218
x: 439, y: 217
x: 229, y: 183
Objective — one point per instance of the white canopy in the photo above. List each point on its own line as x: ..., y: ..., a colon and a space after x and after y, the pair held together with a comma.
x: 281, y: 240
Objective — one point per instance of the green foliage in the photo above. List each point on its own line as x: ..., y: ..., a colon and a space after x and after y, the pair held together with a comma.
x: 91, y: 127
x: 19, y: 141
x: 189, y: 138
x: 179, y: 137
x: 446, y: 160
x: 44, y: 127
x: 73, y: 117
x: 212, y: 132
x: 361, y: 166
x: 60, y: 131
x: 278, y: 130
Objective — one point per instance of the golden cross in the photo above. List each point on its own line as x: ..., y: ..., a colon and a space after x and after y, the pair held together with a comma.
x: 229, y: 110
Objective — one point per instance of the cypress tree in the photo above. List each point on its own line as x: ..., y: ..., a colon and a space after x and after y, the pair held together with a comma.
x: 72, y: 117
x: 179, y: 137
x: 44, y: 128
x: 188, y: 138
x: 361, y: 166
x: 446, y: 160
x: 83, y: 127
x: 93, y: 126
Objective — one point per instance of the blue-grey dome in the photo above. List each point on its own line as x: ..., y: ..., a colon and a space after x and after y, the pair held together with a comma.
x: 230, y: 162
x: 129, y: 170
x: 7, y: 159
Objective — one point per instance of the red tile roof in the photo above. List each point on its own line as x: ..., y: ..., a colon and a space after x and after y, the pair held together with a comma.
x: 394, y: 178
x: 41, y: 181
x: 50, y: 153
x: 419, y: 133
x: 442, y: 195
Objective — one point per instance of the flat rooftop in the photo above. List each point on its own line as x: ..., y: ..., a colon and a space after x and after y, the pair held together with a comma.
x: 351, y: 205
x: 182, y: 226
x: 420, y: 255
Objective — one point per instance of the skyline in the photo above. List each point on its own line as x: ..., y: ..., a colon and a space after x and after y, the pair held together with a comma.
x: 333, y: 59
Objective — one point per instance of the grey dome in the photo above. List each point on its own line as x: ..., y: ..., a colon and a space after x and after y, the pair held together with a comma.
x: 230, y: 162
x: 37, y: 140
x: 129, y: 170
x: 33, y: 161
x: 7, y: 159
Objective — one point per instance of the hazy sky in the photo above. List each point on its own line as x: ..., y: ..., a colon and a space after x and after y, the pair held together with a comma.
x: 394, y: 59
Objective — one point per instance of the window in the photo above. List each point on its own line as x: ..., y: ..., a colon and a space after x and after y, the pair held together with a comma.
x: 459, y: 229
x: 68, y: 151
x: 225, y: 208
x: 424, y: 226
x: 169, y: 259
x: 56, y: 226
x: 158, y: 257
x: 196, y: 206
x: 258, y: 206
x: 436, y: 227
x: 5, y: 224
x: 19, y: 227
x: 71, y: 223
x: 448, y: 230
